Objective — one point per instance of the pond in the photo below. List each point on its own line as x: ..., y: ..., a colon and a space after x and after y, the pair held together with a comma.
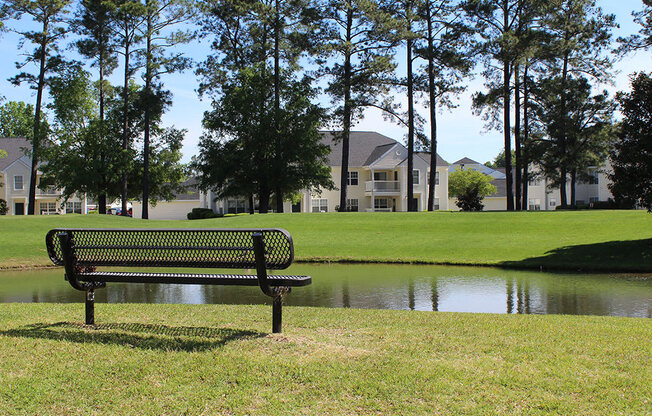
x: 382, y: 286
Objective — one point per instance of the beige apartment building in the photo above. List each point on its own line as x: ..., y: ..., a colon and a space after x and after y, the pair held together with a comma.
x: 15, y: 171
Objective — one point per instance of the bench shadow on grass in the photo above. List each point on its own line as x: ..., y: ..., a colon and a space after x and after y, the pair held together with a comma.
x: 136, y: 335
x: 629, y: 255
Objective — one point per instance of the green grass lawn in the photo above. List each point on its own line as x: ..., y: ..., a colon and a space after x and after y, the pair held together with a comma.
x: 212, y: 359
x: 588, y: 240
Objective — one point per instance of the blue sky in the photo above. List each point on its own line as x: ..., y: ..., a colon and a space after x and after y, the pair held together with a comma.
x: 460, y: 132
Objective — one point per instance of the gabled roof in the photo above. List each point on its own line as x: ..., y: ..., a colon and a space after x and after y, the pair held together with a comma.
x: 426, y: 156
x: 14, y: 147
x: 362, y: 144
x: 365, y: 147
x: 466, y: 161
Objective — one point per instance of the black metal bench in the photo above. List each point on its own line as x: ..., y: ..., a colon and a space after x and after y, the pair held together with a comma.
x: 81, y: 251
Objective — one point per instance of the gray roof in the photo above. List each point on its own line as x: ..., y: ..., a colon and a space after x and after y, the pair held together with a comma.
x: 365, y: 147
x: 466, y: 161
x: 191, y: 190
x: 15, y: 150
x: 426, y: 156
x: 362, y: 144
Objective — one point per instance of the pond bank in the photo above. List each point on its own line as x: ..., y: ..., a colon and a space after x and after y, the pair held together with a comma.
x: 221, y: 359
x: 587, y: 240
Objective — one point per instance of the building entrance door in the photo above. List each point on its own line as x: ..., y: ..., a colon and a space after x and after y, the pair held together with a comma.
x: 19, y: 208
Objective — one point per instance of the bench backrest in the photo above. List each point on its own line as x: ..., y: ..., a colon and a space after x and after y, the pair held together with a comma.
x: 210, y: 248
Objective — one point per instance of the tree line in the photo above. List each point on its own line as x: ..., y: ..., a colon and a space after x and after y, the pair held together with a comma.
x: 270, y: 60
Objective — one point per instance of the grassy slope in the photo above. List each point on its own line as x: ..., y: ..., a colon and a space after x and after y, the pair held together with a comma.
x: 209, y: 359
x: 608, y: 240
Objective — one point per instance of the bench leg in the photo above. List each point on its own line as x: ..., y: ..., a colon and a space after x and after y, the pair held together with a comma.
x: 277, y: 314
x: 90, y: 307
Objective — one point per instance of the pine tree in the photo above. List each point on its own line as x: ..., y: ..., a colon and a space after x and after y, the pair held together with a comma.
x: 363, y: 63
x: 50, y: 15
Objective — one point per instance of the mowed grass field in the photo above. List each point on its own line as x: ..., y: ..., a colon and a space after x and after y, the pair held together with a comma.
x: 222, y: 360
x: 582, y: 240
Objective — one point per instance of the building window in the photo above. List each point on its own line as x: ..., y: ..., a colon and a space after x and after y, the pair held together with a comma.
x: 352, y: 178
x: 18, y: 183
x: 593, y: 177
x: 437, y: 203
x: 534, y: 182
x: 436, y: 178
x: 553, y: 203
x: 380, y: 176
x: 320, y: 205
x: 381, y: 203
x: 352, y: 205
x: 415, y: 176
x: 534, y: 205
x: 48, y: 208
x: 73, y: 208
x: 235, y: 206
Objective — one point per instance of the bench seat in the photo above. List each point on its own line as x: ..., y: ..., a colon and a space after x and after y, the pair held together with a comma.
x: 193, y: 278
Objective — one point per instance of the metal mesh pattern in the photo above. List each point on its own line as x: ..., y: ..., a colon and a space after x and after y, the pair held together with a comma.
x: 208, y: 248
x: 194, y: 278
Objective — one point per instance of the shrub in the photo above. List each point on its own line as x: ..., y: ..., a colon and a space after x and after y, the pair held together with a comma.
x: 470, y: 187
x: 202, y: 213
x: 4, y: 208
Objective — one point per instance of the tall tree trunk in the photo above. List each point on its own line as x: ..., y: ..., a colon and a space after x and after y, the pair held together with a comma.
x: 410, y: 161
x: 36, y: 140
x: 508, y: 142
x: 346, y: 131
x: 277, y: 107
x: 251, y: 204
x: 572, y: 186
x: 526, y: 137
x: 517, y: 135
x: 506, y: 119
x: 433, y: 113
x: 148, y: 114
x: 263, y: 197
x: 563, y: 167
x: 125, y: 122
x: 101, y: 192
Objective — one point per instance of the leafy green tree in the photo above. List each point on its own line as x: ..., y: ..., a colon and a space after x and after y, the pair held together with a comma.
x: 236, y: 150
x: 17, y: 119
x: 360, y: 64
x: 586, y: 120
x: 95, y: 22
x: 470, y: 187
x: 296, y: 34
x: 50, y: 15
x: 631, y: 157
x: 578, y: 34
x: 80, y: 159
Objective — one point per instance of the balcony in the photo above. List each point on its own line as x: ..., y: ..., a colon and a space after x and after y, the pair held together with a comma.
x: 48, y: 191
x: 383, y: 187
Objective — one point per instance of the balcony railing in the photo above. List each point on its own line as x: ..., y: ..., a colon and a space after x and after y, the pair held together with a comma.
x: 50, y: 190
x: 382, y: 186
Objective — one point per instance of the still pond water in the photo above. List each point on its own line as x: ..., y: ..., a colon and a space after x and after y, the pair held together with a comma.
x: 410, y: 287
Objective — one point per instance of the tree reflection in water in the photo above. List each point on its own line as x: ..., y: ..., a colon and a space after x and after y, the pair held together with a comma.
x: 429, y: 288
